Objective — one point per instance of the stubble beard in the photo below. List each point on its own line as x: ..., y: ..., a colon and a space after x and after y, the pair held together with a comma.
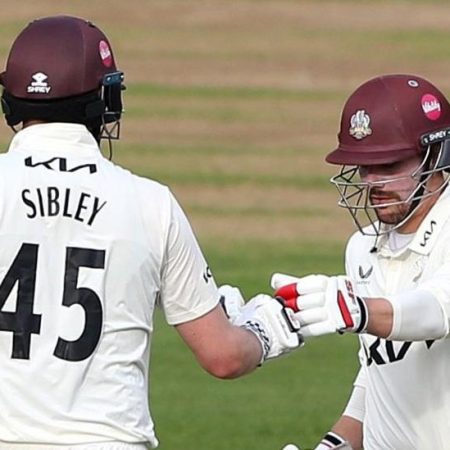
x: 390, y: 214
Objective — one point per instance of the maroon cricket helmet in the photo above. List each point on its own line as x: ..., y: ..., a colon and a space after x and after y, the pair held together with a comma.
x: 390, y: 118
x: 59, y: 68
x: 71, y: 54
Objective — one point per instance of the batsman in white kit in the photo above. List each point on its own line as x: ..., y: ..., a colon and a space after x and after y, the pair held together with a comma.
x: 394, y: 149
x: 88, y: 251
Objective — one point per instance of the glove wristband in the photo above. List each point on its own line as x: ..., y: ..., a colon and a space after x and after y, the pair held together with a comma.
x: 260, y: 333
x: 333, y: 441
x: 364, y: 316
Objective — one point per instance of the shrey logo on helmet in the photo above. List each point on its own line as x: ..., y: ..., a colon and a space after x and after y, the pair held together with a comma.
x: 39, y: 85
x: 359, y: 125
x: 62, y: 69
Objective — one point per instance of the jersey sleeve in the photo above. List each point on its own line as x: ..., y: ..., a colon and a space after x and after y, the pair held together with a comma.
x: 356, y: 405
x: 188, y: 289
x: 439, y: 286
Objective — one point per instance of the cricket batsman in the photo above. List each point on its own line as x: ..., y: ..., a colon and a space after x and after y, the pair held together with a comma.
x: 88, y: 251
x: 394, y: 153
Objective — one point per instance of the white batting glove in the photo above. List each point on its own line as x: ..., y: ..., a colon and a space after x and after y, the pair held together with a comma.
x: 332, y: 441
x: 322, y: 304
x: 232, y: 301
x: 274, y: 325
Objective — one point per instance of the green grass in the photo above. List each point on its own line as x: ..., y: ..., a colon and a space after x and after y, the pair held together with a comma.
x: 150, y: 90
x: 250, y: 263
x: 259, y: 212
x: 217, y: 178
x: 293, y: 399
x: 176, y: 150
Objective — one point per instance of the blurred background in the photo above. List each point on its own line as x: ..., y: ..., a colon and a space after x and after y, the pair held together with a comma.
x: 234, y: 104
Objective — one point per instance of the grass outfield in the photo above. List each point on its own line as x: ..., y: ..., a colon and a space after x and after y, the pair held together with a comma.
x: 294, y: 399
x: 234, y: 104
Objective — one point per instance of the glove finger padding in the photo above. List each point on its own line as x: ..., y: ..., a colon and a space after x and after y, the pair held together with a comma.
x: 305, y: 302
x: 275, y: 326
x: 303, y: 285
x: 318, y: 329
x: 322, y: 304
x: 304, y: 293
x: 311, y: 316
x: 280, y: 279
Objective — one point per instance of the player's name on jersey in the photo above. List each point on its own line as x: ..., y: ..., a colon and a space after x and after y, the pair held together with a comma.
x: 51, y: 201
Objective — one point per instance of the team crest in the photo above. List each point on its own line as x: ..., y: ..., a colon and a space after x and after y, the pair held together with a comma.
x: 359, y: 125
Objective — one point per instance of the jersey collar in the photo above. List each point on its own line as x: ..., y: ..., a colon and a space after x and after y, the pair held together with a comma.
x: 56, y: 138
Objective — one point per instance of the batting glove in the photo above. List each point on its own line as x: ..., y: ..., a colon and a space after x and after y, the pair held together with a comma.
x: 232, y: 301
x: 332, y: 441
x: 322, y: 304
x: 275, y: 326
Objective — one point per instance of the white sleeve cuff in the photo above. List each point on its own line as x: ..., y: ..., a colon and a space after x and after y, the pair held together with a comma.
x: 417, y: 316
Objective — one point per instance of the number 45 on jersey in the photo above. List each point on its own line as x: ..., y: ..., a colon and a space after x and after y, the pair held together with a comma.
x: 23, y: 322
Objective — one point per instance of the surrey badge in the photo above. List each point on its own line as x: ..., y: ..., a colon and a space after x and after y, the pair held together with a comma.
x: 359, y: 125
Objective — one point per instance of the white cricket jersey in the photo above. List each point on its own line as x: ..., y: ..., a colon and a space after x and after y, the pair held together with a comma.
x: 407, y: 384
x: 86, y: 249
